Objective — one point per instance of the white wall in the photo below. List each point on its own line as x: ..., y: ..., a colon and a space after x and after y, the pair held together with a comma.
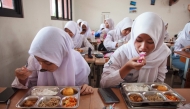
x: 176, y: 15
x: 16, y: 35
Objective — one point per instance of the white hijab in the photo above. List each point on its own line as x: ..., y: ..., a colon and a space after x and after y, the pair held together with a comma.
x: 77, y: 38
x: 101, y: 26
x: 151, y: 24
x: 111, y: 25
x: 167, y: 37
x: 54, y: 45
x: 88, y: 33
x: 125, y: 23
x: 184, y: 36
x: 121, y: 22
x: 79, y: 21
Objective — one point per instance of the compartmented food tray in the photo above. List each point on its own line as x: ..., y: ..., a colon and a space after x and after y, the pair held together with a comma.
x: 150, y: 95
x: 51, y: 97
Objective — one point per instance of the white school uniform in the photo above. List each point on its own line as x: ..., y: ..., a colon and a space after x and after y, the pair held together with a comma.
x: 114, y: 36
x: 183, y: 39
x: 79, y: 40
x: 54, y: 45
x: 155, y: 68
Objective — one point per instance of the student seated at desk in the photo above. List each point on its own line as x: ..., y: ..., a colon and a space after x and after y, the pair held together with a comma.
x: 102, y: 26
x: 109, y: 25
x: 86, y: 31
x: 80, y: 42
x: 147, y: 35
x: 119, y: 35
x: 52, y: 50
x: 182, y: 43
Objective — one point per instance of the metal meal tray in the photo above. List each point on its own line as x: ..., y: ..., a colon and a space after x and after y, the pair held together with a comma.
x: 145, y: 103
x: 38, y: 96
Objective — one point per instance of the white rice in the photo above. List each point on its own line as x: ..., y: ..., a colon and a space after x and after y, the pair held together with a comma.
x: 136, y: 88
x: 43, y: 92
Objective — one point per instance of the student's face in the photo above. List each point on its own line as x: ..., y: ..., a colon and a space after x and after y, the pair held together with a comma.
x: 46, y: 65
x: 125, y: 31
x: 107, y: 24
x: 144, y: 43
x: 84, y: 28
x: 80, y: 24
x: 69, y: 32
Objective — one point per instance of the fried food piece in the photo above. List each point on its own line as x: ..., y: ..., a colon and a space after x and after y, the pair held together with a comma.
x: 135, y: 98
x: 68, y: 91
x: 162, y: 88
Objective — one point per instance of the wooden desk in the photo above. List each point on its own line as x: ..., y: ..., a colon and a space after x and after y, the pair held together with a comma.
x: 169, y: 44
x: 187, y: 56
x: 89, y: 60
x: 99, y: 62
x: 92, y: 101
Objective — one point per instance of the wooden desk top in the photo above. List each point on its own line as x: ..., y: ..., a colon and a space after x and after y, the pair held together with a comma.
x: 92, y: 101
x: 89, y: 60
x: 183, y: 53
x: 169, y: 44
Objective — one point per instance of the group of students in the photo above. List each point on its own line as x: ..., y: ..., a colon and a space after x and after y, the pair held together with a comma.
x: 54, y: 62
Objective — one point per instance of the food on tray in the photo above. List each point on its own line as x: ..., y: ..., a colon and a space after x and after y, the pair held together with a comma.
x: 135, y: 98
x: 136, y: 88
x: 69, y: 102
x: 79, y: 50
x: 52, y: 102
x: 40, y: 91
x: 154, y: 97
x: 68, y: 91
x: 171, y: 97
x: 29, y: 103
x: 162, y: 88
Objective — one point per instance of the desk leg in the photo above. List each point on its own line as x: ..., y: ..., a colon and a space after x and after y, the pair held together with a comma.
x: 100, y: 67
x: 185, y: 71
x: 90, y: 75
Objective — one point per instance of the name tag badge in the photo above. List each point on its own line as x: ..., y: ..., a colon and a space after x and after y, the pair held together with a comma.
x: 110, y: 62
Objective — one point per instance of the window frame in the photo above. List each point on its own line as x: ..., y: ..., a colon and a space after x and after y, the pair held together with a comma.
x: 16, y: 12
x: 63, y: 13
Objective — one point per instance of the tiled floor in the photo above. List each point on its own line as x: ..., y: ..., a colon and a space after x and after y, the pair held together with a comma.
x: 176, y: 83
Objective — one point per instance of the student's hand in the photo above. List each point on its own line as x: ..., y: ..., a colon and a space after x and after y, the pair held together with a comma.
x: 133, y: 64
x: 22, y: 73
x: 86, y: 89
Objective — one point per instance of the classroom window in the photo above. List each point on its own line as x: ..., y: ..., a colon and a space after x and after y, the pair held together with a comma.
x: 61, y: 9
x: 11, y: 8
